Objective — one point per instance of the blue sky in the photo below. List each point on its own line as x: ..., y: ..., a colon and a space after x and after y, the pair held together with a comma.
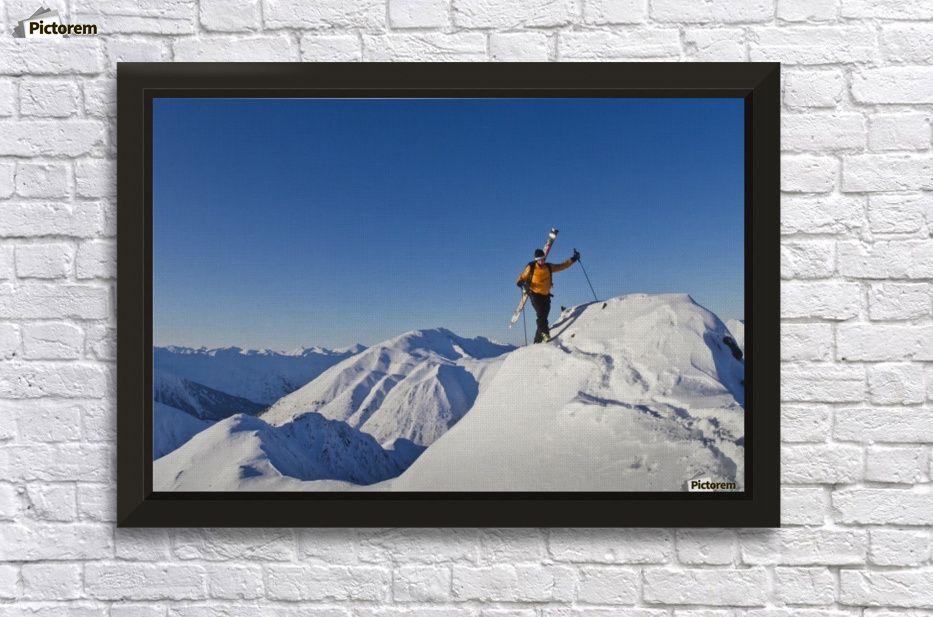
x: 281, y: 222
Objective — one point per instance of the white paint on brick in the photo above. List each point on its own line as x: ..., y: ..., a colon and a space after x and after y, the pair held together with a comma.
x: 857, y: 378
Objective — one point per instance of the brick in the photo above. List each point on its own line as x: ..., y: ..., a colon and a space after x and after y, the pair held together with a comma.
x: 882, y: 506
x: 51, y: 502
x: 900, y: 464
x: 135, y: 49
x: 804, y: 424
x: 714, y: 12
x: 9, y: 502
x: 230, y: 15
x: 137, y: 581
x: 48, y: 98
x: 812, y: 88
x: 808, y: 174
x: 223, y: 544
x: 421, y: 583
x: 44, y: 261
x: 512, y: 545
x: 234, y: 582
x: 608, y: 585
x: 100, y: 98
x: 38, y: 379
x: 96, y: 259
x: 7, y: 262
x: 639, y: 43
x: 41, y: 57
x: 818, y: 131
x: 893, y: 301
x: 10, y: 341
x: 894, y: 84
x: 519, y: 47
x: 236, y: 49
x: 513, y: 583
x: 7, y: 97
x: 908, y: 589
x: 901, y: 131
x: 418, y: 13
x: 605, y: 12
x: 142, y: 544
x: 906, y: 42
x: 746, y: 587
x: 806, y: 341
x: 715, y: 44
x: 898, y: 547
x: 101, y: 342
x: 424, y: 546
x: 7, y: 175
x: 812, y: 45
x: 898, y: 214
x: 96, y: 178
x: 873, y: 342
x: 463, y: 46
x: 802, y: 506
x: 821, y: 300
x: 336, y: 48
x: 815, y: 382
x: 887, y: 9
x: 821, y: 464
x: 804, y: 547
x: 9, y: 582
x: 54, y: 301
x: 510, y: 14
x: 45, y: 420
x: 291, y: 582
x: 896, y: 259
x: 50, y: 137
x: 887, y: 172
x: 822, y: 215
x: 894, y: 384
x: 894, y: 425
x: 52, y: 581
x: 52, y: 341
x: 97, y: 502
x: 705, y: 546
x: 635, y: 546
x: 60, y: 462
x: 807, y: 259
x: 54, y: 542
x: 366, y: 15
x: 43, y: 180
x: 804, y: 585
x: 807, y: 11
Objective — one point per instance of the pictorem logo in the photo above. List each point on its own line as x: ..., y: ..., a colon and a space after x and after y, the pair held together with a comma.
x: 707, y: 485
x: 45, y: 22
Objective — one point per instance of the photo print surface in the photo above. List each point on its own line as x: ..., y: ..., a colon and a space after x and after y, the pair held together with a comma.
x: 448, y: 294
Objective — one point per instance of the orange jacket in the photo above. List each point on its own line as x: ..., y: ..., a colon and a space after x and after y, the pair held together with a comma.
x: 541, y: 281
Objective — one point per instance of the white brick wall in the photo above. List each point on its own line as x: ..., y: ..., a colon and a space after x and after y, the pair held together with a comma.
x: 857, y: 263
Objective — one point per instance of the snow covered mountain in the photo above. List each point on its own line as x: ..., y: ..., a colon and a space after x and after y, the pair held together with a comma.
x: 171, y: 427
x: 636, y: 393
x: 197, y: 399
x: 737, y: 328
x: 259, y: 376
x: 412, y: 387
x: 244, y: 453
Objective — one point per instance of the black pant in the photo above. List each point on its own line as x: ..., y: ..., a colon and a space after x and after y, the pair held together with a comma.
x: 542, y: 306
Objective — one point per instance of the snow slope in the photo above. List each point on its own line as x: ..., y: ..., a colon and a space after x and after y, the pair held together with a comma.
x: 197, y: 399
x: 243, y: 453
x: 172, y: 427
x: 637, y: 393
x: 412, y: 387
x: 260, y: 376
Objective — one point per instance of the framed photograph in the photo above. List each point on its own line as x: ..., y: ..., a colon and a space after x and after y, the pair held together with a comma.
x: 448, y: 295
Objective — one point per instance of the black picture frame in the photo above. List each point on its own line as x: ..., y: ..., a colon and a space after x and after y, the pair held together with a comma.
x: 138, y: 505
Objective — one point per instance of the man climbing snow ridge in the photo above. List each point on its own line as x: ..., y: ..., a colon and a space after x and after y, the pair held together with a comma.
x: 536, y: 280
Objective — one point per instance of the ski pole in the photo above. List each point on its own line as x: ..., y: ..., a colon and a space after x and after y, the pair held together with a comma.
x: 525, y: 326
x: 580, y: 261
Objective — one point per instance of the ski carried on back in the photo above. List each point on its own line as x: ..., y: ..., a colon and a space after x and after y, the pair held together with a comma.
x: 552, y: 235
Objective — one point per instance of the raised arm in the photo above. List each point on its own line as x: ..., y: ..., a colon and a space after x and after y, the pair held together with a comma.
x: 562, y: 265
